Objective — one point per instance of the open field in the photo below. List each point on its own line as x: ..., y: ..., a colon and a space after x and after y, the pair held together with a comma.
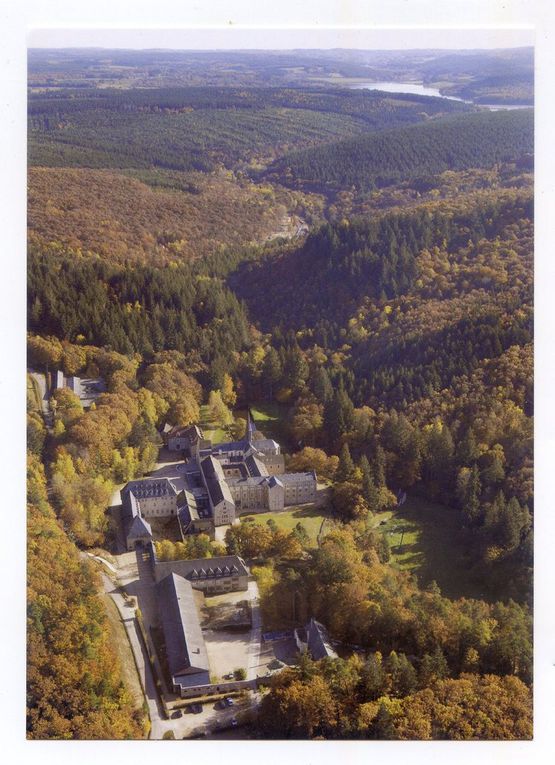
x: 211, y: 429
x: 271, y: 419
x: 311, y: 518
x: 433, y: 547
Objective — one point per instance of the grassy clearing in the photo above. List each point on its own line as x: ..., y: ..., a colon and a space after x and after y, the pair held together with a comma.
x: 271, y: 418
x: 433, y: 547
x: 310, y: 517
x: 212, y: 430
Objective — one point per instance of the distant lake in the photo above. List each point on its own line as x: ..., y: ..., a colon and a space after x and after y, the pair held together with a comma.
x: 417, y: 88
x: 403, y: 87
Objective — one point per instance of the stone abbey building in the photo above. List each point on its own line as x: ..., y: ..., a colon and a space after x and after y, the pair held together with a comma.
x: 214, y: 485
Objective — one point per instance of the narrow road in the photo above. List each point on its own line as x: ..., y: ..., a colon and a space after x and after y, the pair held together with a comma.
x: 158, y: 724
x: 256, y: 634
x: 108, y: 565
x: 40, y: 380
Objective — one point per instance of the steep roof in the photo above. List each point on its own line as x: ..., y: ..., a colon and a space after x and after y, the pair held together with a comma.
x: 139, y: 528
x: 215, y: 481
x: 185, y: 648
x: 255, y: 466
x: 318, y: 641
x: 130, y: 505
x: 249, y: 434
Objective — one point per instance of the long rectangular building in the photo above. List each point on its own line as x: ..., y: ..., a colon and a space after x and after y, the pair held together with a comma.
x: 185, y: 647
x: 224, y: 573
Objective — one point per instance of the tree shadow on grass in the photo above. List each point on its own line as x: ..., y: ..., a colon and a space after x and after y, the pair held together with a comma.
x: 309, y: 512
x: 438, y: 548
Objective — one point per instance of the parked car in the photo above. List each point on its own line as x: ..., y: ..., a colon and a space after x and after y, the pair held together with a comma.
x: 177, y: 713
x: 195, y: 708
x: 229, y: 701
x: 234, y: 722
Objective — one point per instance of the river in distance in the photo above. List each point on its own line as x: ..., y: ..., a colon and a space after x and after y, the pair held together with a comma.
x: 419, y: 89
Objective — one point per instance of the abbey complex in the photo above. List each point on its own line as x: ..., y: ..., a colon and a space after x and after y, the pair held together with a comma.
x: 214, y: 484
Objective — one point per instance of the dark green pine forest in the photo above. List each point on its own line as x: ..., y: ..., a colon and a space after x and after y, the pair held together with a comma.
x: 356, y: 265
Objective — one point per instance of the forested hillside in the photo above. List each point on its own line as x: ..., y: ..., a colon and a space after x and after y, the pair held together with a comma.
x: 144, y: 309
x: 197, y: 129
x: 155, y: 216
x: 475, y: 140
x: 74, y: 683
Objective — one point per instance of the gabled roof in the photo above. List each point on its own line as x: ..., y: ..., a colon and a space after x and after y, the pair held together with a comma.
x: 150, y: 487
x: 192, y: 432
x: 266, y: 443
x: 255, y: 466
x: 130, y: 505
x: 310, y: 475
x: 198, y: 566
x: 185, y: 648
x: 215, y: 481
x: 139, y: 528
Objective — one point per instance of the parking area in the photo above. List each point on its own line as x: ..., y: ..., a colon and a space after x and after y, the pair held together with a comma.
x: 212, y: 719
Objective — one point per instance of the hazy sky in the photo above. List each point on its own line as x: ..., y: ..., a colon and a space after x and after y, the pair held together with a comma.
x: 232, y: 37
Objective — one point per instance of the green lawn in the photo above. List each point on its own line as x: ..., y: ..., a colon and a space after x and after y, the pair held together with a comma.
x: 210, y: 429
x: 433, y: 547
x: 271, y: 418
x: 310, y: 517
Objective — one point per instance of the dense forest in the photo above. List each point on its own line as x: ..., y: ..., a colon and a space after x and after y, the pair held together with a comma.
x: 359, y: 262
x: 156, y: 216
x: 197, y: 129
x: 144, y: 309
x: 475, y: 140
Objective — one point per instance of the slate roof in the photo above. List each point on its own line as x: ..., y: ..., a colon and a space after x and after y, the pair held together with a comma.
x: 192, y: 432
x: 255, y: 466
x: 190, y: 509
x: 297, y: 477
x: 215, y: 481
x: 266, y: 443
x: 130, y: 505
x: 139, y: 528
x: 185, y: 647
x: 231, y: 446
x: 198, y: 568
x: 150, y: 487
x: 318, y: 641
x: 255, y: 481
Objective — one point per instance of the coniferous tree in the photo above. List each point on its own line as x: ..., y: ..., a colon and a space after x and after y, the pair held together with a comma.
x: 346, y: 467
